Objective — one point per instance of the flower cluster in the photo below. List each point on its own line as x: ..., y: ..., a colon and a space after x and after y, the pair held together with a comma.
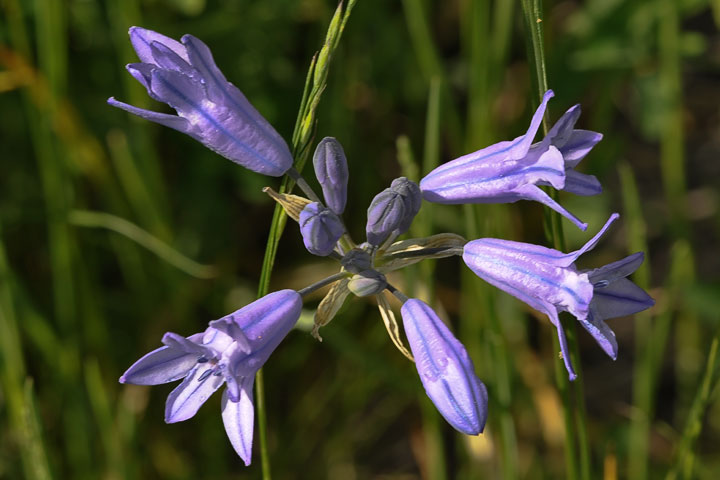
x: 232, y: 349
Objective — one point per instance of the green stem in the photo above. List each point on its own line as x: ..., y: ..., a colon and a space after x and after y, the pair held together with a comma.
x: 575, y: 430
x: 315, y: 84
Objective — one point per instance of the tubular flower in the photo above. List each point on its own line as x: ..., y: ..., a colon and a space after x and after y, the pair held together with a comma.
x: 230, y: 351
x: 445, y: 369
x: 512, y: 170
x: 209, y: 108
x: 548, y: 281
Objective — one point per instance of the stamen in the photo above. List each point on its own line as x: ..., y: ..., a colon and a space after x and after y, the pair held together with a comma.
x: 203, y: 359
x: 205, y: 374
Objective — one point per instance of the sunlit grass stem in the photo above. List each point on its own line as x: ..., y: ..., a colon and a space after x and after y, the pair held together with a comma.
x: 575, y: 428
x: 303, y: 133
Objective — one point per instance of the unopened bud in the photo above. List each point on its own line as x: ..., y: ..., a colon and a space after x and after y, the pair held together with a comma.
x: 366, y: 283
x: 331, y: 170
x: 320, y: 228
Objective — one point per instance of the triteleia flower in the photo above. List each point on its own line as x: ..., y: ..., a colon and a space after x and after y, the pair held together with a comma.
x: 230, y: 351
x: 445, y: 369
x: 392, y: 211
x: 320, y: 229
x: 512, y: 170
x: 209, y: 108
x: 548, y: 281
x: 331, y: 170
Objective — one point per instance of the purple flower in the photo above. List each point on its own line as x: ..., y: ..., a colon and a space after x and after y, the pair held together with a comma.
x: 512, y: 170
x: 445, y: 369
x: 392, y: 211
x: 320, y: 229
x: 548, y: 281
x: 331, y: 170
x: 230, y: 351
x: 210, y: 109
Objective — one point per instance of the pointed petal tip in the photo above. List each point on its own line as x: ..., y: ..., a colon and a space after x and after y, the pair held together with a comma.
x: 189, y: 38
x: 572, y: 376
x: 548, y: 95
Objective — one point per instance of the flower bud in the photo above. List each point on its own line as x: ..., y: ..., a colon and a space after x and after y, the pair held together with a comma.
x: 412, y: 199
x: 331, y: 170
x: 366, y: 283
x: 445, y: 369
x: 392, y: 211
x: 320, y: 228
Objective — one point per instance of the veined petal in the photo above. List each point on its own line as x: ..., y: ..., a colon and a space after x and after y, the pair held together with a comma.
x: 445, y: 369
x: 238, y: 418
x: 544, y: 166
x: 141, y: 39
x: 180, y: 91
x: 186, y: 399
x: 201, y: 58
x: 620, y: 269
x: 581, y: 184
x: 166, y: 57
x: 578, y: 145
x: 265, y: 322
x: 572, y: 256
x: 619, y: 298
x: 187, y: 345
x: 561, y: 132
x: 602, y: 334
x: 173, y: 121
x: 232, y: 329
x: 221, y: 91
x: 533, y: 192
x: 551, y: 311
x: 141, y: 72
x: 160, y: 366
x: 521, y: 145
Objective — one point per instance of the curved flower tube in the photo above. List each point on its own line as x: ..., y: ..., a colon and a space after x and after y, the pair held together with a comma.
x: 548, y: 281
x: 512, y: 170
x: 445, y: 369
x: 209, y: 108
x: 230, y: 351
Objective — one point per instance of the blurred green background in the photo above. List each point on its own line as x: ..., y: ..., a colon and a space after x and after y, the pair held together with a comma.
x: 114, y: 230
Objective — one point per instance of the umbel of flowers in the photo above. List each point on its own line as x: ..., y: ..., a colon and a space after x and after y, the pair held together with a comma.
x: 231, y: 350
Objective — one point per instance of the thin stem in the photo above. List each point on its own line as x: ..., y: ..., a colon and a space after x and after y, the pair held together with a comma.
x: 304, y: 186
x: 305, y: 124
x: 532, y: 10
x: 398, y: 294
x: 318, y: 285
